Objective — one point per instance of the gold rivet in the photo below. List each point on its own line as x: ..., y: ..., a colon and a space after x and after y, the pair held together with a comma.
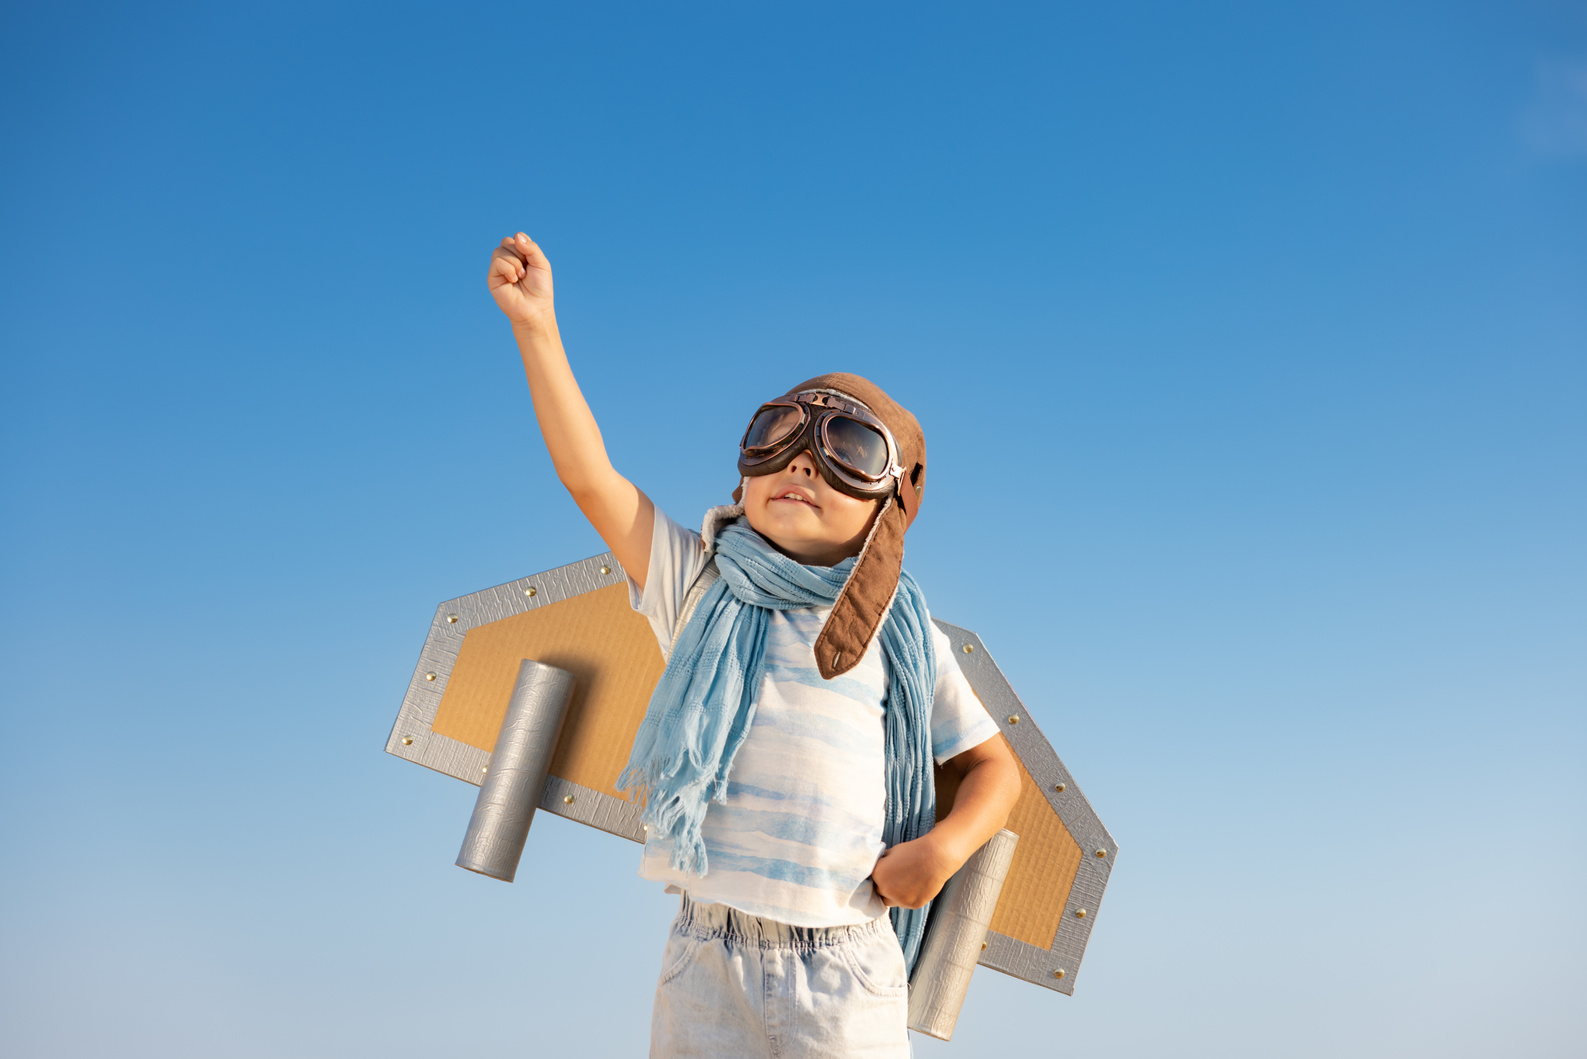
x: 567, y: 799
x: 429, y: 676
x: 969, y: 648
x: 530, y: 591
x: 1058, y: 787
x: 407, y: 740
x: 606, y: 569
x: 484, y: 769
x: 983, y: 946
x: 451, y: 619
x: 1102, y: 853
x: 1059, y: 973
x: 1080, y: 913
x: 1013, y: 719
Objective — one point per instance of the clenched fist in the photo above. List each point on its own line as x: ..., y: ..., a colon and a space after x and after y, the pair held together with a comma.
x: 911, y: 873
x: 520, y: 281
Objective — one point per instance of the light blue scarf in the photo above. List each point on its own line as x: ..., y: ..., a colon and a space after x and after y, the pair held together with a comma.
x: 704, y: 704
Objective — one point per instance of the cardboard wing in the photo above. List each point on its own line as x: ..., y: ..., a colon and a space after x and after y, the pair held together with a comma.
x: 576, y: 618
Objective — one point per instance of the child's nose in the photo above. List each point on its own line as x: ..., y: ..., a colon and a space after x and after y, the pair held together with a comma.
x: 803, y: 464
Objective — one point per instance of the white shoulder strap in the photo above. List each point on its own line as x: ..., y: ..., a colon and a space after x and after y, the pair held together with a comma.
x: 696, y: 592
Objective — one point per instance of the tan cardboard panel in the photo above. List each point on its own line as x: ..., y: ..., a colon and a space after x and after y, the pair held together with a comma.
x: 1045, y: 863
x: 609, y: 649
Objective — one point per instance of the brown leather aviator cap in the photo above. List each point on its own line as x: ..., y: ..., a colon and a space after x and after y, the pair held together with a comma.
x: 865, y: 597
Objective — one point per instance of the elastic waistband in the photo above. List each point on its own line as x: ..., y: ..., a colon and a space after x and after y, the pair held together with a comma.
x: 721, y: 921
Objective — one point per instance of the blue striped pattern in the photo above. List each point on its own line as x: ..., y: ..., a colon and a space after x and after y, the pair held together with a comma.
x: 802, y: 824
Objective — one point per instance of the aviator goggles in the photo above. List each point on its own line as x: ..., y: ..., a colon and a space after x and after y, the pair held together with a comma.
x: 853, y: 450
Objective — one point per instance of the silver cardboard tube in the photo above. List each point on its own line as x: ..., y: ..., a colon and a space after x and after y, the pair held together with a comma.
x: 517, y: 771
x: 959, y: 921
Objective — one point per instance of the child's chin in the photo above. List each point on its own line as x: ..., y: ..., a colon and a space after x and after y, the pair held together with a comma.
x: 798, y: 530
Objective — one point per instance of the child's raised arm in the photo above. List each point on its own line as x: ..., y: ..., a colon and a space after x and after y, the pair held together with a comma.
x: 520, y: 281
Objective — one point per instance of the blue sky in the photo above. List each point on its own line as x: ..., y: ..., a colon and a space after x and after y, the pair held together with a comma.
x: 1248, y: 340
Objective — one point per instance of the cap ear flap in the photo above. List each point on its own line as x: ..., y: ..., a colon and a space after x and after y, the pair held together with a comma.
x: 863, y: 602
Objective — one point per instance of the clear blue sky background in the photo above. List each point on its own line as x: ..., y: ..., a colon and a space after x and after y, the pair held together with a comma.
x: 1250, y: 341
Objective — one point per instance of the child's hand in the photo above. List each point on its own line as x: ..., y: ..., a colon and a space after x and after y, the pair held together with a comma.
x: 912, y: 873
x: 520, y: 280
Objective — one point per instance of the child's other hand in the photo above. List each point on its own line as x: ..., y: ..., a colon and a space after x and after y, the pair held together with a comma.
x: 912, y: 873
x: 520, y: 280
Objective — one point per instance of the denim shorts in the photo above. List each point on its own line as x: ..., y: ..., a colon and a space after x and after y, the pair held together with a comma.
x: 735, y: 986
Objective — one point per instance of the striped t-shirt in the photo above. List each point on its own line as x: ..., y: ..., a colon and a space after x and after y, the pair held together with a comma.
x: 802, y: 825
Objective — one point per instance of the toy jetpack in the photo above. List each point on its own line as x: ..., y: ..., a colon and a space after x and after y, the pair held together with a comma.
x: 533, y: 691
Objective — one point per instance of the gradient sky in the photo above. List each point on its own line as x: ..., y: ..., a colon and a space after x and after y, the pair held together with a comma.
x: 1250, y: 341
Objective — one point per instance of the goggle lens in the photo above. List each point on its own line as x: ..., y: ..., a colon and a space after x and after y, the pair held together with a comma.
x: 856, y: 446
x: 773, y: 426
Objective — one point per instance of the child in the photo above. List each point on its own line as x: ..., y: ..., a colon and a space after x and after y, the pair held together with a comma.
x: 786, y: 755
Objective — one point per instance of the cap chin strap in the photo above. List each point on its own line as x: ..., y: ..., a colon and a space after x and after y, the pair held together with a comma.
x: 862, y: 603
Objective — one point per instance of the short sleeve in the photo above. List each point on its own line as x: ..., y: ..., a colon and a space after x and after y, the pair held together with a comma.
x: 958, y: 720
x: 677, y: 555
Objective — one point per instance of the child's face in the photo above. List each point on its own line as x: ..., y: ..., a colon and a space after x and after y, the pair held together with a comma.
x: 806, y: 518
